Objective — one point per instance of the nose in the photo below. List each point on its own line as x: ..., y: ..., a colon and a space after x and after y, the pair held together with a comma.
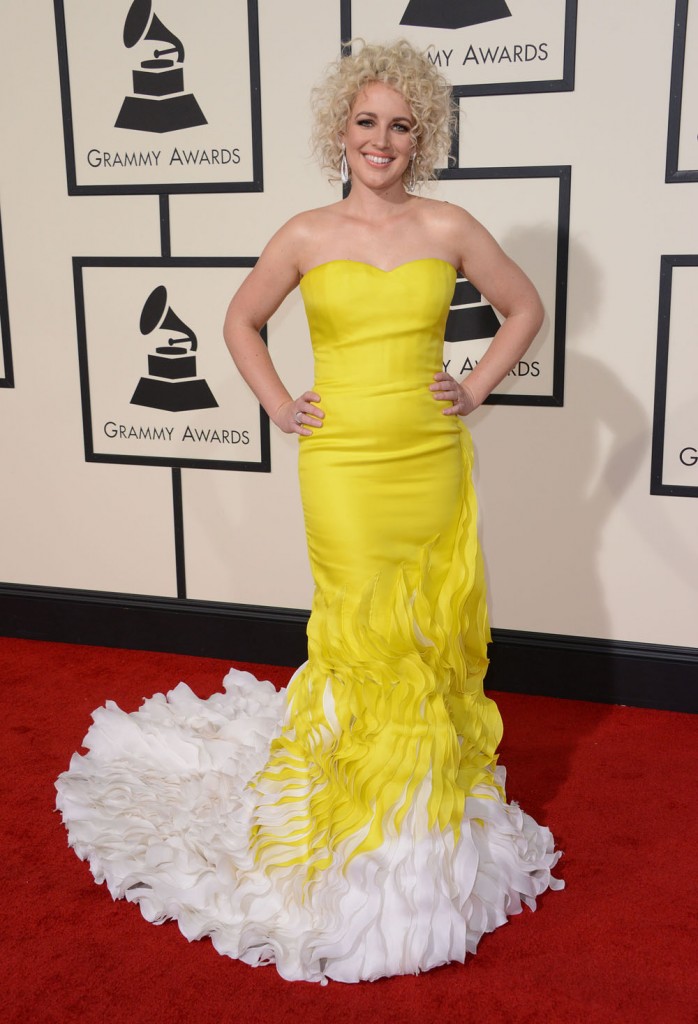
x: 382, y: 136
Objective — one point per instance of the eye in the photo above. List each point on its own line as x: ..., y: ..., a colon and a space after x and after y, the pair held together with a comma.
x: 400, y: 127
x: 365, y: 122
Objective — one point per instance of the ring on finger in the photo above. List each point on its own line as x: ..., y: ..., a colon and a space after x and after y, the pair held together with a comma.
x: 298, y: 417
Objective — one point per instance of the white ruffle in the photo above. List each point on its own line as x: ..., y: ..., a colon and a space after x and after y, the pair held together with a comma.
x: 162, y: 810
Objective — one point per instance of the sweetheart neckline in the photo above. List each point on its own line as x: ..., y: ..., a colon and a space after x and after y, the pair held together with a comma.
x: 372, y: 266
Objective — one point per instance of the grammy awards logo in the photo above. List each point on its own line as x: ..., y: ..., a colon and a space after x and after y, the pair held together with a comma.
x: 468, y: 318
x: 483, y: 47
x: 171, y: 383
x: 160, y: 103
x: 453, y: 13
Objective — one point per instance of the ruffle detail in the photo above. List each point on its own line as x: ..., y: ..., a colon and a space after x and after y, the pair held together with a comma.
x: 163, y: 806
x: 391, y: 696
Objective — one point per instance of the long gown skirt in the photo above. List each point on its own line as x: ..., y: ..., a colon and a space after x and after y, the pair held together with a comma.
x: 354, y: 825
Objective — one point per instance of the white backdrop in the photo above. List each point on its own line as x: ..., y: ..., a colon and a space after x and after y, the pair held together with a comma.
x: 574, y: 541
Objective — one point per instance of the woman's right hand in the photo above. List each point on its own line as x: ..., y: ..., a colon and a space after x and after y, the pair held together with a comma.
x: 300, y: 414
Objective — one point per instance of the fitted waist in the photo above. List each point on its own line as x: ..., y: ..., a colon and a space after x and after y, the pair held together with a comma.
x: 382, y: 419
x: 401, y: 360
x: 402, y: 388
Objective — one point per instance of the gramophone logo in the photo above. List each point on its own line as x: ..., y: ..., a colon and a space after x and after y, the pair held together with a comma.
x: 472, y: 320
x: 160, y: 96
x: 159, y: 103
x: 483, y: 47
x: 156, y: 389
x: 453, y: 13
x: 528, y: 209
x: 171, y: 383
x: 469, y: 319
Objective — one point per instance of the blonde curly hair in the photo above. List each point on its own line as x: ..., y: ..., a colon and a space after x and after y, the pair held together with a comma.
x: 426, y: 91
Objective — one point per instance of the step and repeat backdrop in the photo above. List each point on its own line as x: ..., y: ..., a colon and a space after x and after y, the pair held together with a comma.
x: 150, y: 149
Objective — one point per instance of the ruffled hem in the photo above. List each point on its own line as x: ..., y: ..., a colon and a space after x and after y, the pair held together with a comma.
x: 163, y: 807
x: 389, y: 702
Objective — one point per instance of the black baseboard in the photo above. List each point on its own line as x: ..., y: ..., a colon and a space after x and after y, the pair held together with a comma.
x: 275, y: 636
x: 584, y: 668
x: 578, y: 668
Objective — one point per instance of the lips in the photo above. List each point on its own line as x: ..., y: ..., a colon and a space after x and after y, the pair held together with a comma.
x: 377, y: 161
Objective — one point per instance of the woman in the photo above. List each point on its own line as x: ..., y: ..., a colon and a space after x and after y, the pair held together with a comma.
x: 355, y: 825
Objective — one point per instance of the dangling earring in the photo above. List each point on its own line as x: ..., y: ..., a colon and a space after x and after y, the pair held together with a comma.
x: 412, y: 181
x: 344, y: 166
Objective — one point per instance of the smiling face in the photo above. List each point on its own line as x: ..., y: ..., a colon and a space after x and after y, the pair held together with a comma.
x: 377, y: 137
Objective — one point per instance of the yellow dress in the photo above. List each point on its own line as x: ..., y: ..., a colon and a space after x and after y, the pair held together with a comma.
x: 355, y: 825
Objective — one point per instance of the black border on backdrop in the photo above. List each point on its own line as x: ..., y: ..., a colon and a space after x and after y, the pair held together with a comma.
x: 563, y: 173
x: 564, y: 84
x: 79, y: 262
x: 661, y: 379
x: 256, y: 184
x: 8, y: 378
x: 673, y: 174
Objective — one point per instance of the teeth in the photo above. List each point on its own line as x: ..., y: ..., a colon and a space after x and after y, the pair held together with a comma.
x: 377, y: 159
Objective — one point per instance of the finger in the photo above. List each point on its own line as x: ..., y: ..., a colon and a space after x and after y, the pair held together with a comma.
x: 303, y: 421
x: 299, y: 426
x: 309, y: 409
x: 456, y: 403
x: 448, y: 384
x: 311, y: 416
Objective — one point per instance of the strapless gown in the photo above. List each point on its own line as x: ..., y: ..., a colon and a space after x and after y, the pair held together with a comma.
x: 354, y: 825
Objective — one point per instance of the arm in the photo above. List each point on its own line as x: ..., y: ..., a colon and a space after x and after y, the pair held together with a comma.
x: 275, y: 274
x: 509, y: 290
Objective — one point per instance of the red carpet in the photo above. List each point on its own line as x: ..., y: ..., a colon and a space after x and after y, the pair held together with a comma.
x: 615, y: 784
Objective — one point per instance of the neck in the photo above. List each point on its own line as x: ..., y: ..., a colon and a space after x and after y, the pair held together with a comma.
x: 377, y: 203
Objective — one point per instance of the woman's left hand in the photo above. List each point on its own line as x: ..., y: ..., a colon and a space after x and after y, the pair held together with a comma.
x: 447, y: 389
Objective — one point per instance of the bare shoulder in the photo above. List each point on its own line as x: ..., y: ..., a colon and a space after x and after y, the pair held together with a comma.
x: 294, y: 231
x: 300, y: 235
x: 308, y: 221
x: 278, y: 270
x: 448, y: 217
x: 480, y: 258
